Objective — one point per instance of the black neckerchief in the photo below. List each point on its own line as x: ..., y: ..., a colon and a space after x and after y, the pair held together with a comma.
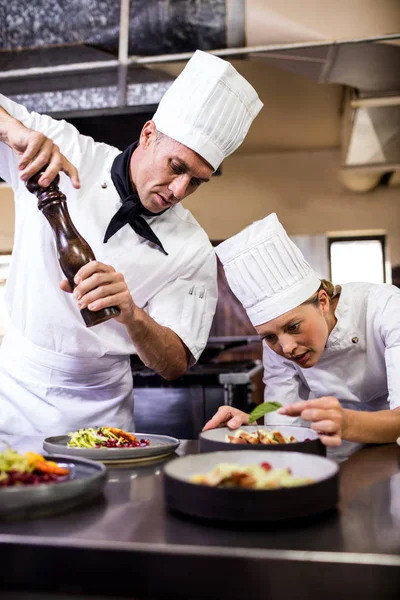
x: 132, y: 207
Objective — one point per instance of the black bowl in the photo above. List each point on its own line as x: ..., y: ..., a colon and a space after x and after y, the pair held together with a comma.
x: 245, y: 505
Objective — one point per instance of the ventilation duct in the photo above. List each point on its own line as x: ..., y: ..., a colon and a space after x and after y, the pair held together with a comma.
x: 371, y: 119
x: 154, y: 26
x: 85, y: 66
x: 94, y: 58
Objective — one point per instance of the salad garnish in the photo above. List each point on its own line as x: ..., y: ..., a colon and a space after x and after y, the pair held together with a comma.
x: 28, y: 469
x: 105, y: 437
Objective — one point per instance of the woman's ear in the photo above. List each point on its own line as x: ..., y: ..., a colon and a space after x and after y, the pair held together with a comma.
x: 324, y: 302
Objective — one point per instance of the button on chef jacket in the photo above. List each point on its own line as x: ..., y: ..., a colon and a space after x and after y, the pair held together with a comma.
x: 178, y: 291
x: 360, y: 365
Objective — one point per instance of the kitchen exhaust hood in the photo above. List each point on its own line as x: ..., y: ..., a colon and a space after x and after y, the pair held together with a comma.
x: 91, y: 59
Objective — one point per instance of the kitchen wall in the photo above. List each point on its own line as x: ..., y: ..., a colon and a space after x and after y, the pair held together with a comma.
x: 303, y: 188
x: 6, y: 218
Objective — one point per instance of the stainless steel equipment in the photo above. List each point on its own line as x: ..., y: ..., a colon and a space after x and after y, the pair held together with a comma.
x: 180, y: 408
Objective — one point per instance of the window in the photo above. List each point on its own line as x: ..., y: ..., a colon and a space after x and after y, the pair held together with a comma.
x: 358, y: 258
x: 5, y: 260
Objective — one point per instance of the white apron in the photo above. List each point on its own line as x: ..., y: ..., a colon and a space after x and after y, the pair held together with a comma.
x: 43, y: 392
x: 56, y: 374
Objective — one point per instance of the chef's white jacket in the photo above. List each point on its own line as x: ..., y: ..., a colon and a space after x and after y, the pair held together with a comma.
x: 179, y: 290
x: 360, y: 365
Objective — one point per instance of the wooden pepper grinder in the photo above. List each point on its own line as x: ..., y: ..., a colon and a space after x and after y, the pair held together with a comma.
x: 73, y: 251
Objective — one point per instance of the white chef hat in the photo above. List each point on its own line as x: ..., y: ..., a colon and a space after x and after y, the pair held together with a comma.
x: 209, y: 108
x: 266, y: 271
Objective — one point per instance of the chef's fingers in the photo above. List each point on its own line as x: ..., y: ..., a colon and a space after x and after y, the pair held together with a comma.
x: 72, y: 172
x: 227, y: 415
x: 218, y: 419
x: 293, y: 410
x: 42, y: 151
x: 58, y: 162
x: 323, y: 402
x: 329, y: 431
x: 317, y: 414
x: 36, y: 155
x: 123, y: 301
x: 28, y: 144
x: 92, y: 267
x: 65, y: 286
x: 326, y: 426
x: 331, y: 440
x: 238, y: 420
x: 104, y: 302
x: 113, y: 292
x: 100, y: 285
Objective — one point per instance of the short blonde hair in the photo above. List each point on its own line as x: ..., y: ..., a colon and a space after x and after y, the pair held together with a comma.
x: 326, y: 286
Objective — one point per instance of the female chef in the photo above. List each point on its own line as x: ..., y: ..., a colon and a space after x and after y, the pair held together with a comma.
x: 331, y: 354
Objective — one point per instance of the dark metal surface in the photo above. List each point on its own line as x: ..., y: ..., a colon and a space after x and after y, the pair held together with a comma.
x: 182, y: 407
x: 207, y: 374
x: 127, y: 544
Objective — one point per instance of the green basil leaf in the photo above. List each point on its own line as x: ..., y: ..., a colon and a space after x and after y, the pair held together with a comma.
x: 263, y: 409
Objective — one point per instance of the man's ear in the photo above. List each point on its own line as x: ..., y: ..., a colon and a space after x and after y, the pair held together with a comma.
x: 147, y: 134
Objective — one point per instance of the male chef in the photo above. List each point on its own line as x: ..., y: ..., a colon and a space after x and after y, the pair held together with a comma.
x: 153, y: 260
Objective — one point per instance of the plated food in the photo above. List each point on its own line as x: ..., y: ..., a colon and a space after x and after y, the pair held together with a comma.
x: 33, y: 485
x: 289, y: 438
x: 250, y: 477
x: 260, y: 436
x: 112, y: 445
x: 221, y: 486
x: 105, y: 437
x: 29, y: 469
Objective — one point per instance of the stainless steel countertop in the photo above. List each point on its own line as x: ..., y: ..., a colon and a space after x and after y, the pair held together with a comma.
x: 136, y: 547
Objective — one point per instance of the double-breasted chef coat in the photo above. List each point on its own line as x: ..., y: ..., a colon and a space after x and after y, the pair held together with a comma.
x: 56, y: 375
x: 360, y: 365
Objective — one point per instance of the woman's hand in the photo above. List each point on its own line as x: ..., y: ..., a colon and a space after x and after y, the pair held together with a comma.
x: 99, y: 286
x: 227, y: 416
x: 327, y: 417
x: 35, y: 151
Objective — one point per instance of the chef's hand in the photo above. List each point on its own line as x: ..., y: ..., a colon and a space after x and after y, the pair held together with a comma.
x: 99, y: 286
x: 327, y: 417
x: 34, y: 151
x: 227, y: 416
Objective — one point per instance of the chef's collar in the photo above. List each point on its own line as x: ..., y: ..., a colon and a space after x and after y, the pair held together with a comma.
x: 132, y: 208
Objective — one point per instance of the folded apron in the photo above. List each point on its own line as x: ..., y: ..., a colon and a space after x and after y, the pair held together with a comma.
x: 43, y: 392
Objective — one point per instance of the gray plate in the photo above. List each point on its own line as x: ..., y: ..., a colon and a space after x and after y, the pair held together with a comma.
x: 229, y: 504
x: 160, y: 446
x: 215, y: 439
x: 86, y: 480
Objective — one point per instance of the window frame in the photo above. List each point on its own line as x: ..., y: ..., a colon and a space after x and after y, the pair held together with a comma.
x: 358, y: 238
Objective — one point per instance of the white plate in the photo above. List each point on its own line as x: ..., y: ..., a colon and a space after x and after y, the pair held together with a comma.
x: 160, y: 446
